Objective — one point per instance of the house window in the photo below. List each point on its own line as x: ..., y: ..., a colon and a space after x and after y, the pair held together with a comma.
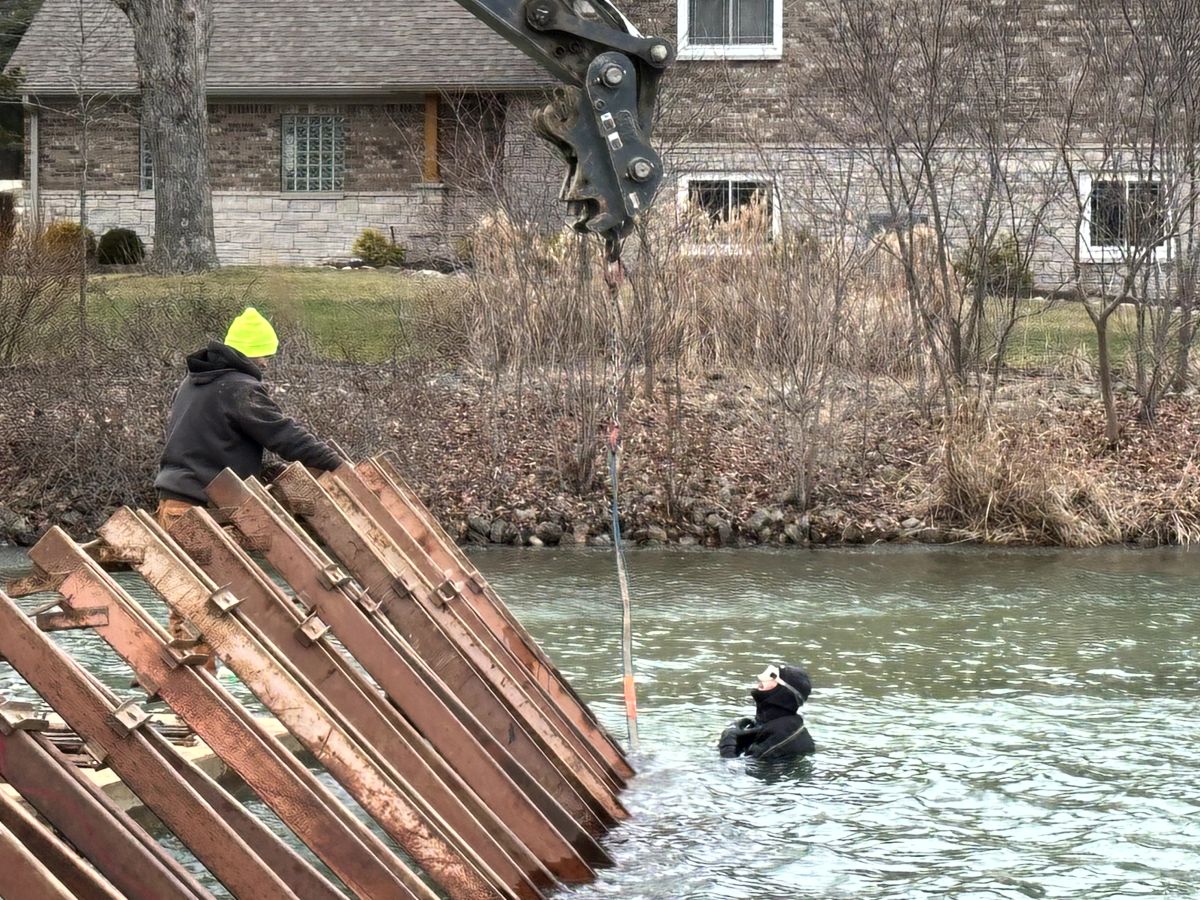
x: 145, y: 163
x: 715, y: 201
x: 1120, y: 215
x: 314, y: 153
x: 730, y: 29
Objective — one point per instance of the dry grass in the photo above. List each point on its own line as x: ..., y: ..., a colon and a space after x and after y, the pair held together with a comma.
x: 1015, y: 480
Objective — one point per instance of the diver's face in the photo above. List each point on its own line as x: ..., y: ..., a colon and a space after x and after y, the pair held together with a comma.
x: 767, y: 682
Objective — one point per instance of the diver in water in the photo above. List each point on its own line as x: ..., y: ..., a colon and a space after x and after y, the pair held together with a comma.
x: 777, y: 729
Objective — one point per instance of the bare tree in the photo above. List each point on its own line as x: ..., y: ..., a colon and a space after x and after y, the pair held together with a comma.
x: 171, y: 42
x: 1126, y: 138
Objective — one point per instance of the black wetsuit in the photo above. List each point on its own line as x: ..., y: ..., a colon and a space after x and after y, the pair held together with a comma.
x: 777, y: 728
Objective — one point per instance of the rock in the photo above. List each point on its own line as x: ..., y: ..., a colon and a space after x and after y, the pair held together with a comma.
x: 931, y: 536
x: 479, y: 525
x: 687, y: 540
x: 600, y: 540
x: 549, y: 533
x: 525, y: 516
x: 503, y: 532
x: 758, y: 521
x: 341, y: 262
x: 764, y: 535
x: 656, y: 535
x: 910, y: 523
x: 535, y: 541
x: 25, y: 538
x: 725, y: 534
x: 580, y: 532
x: 794, y: 533
x: 852, y: 534
x: 70, y: 519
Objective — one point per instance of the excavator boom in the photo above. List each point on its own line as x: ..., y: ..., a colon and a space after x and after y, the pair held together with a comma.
x: 601, y: 118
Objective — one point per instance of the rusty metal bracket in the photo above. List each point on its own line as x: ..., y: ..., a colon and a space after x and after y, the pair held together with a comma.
x: 128, y: 718
x: 404, y: 585
x: 311, y: 630
x: 18, y: 716
x: 447, y: 592
x: 71, y: 619
x: 224, y: 600
x: 360, y: 595
x: 334, y: 576
x: 180, y: 651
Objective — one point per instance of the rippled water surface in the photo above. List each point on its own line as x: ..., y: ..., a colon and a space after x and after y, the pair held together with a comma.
x: 989, y: 724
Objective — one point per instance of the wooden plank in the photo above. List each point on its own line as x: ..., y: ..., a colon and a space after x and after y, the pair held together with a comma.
x: 462, y: 763
x: 279, y: 779
x: 134, y: 755
x: 439, y: 636
x: 383, y: 479
x: 384, y: 795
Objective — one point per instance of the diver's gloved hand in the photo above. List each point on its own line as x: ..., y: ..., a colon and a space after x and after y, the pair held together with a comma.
x: 745, y: 726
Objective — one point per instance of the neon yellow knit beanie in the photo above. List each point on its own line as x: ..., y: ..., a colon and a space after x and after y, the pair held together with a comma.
x: 252, y: 335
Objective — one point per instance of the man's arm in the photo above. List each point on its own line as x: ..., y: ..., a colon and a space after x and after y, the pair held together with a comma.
x: 261, y: 419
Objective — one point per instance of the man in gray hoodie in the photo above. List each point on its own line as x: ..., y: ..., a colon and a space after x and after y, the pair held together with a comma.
x: 222, y: 417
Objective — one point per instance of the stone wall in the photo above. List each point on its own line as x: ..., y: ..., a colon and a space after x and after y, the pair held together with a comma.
x: 277, y: 230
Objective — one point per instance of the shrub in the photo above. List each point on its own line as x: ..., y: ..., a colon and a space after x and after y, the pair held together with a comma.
x: 61, y: 237
x: 120, y: 247
x: 1001, y: 268
x: 376, y: 249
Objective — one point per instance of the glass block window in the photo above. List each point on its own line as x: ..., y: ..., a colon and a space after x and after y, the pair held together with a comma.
x: 721, y: 198
x: 731, y: 23
x: 146, y: 163
x: 314, y: 153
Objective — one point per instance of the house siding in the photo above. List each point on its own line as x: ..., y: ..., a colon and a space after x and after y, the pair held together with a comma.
x: 255, y: 221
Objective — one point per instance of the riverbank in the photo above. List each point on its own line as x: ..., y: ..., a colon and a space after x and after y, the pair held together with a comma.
x: 709, y: 465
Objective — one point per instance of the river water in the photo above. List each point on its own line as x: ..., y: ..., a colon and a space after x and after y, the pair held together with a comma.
x: 989, y: 723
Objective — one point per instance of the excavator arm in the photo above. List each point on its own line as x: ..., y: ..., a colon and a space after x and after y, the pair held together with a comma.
x: 600, y: 120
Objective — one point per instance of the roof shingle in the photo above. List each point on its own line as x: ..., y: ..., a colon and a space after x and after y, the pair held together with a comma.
x: 274, y: 47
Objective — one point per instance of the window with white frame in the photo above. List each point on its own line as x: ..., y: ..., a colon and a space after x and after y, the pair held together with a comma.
x: 730, y: 29
x: 1121, y: 213
x: 314, y: 153
x: 145, y: 162
x: 718, y: 200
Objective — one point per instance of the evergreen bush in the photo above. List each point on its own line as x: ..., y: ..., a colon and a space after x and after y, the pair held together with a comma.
x: 376, y: 249
x: 120, y: 247
x: 1001, y: 268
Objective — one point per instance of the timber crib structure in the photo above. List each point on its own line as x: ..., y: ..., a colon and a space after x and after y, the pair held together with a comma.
x: 386, y: 656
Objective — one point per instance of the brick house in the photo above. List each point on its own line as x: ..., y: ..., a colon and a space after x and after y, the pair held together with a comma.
x: 411, y: 116
x: 390, y: 115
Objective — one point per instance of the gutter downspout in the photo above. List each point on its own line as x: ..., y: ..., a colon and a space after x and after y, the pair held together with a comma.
x: 35, y: 206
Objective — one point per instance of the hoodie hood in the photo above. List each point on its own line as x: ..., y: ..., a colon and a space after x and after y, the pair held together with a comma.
x: 774, y: 704
x: 218, y: 360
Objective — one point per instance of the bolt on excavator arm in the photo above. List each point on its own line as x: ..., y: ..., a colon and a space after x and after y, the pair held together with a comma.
x: 600, y: 120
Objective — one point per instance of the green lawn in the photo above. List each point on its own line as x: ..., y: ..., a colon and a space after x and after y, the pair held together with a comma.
x: 361, y: 315
x: 1052, y: 333
x: 372, y: 316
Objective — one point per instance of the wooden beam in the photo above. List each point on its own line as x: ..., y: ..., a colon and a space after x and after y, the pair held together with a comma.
x: 431, y: 171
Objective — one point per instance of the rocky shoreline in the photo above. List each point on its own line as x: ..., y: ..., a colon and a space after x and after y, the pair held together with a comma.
x: 773, y: 526
x: 708, y: 471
